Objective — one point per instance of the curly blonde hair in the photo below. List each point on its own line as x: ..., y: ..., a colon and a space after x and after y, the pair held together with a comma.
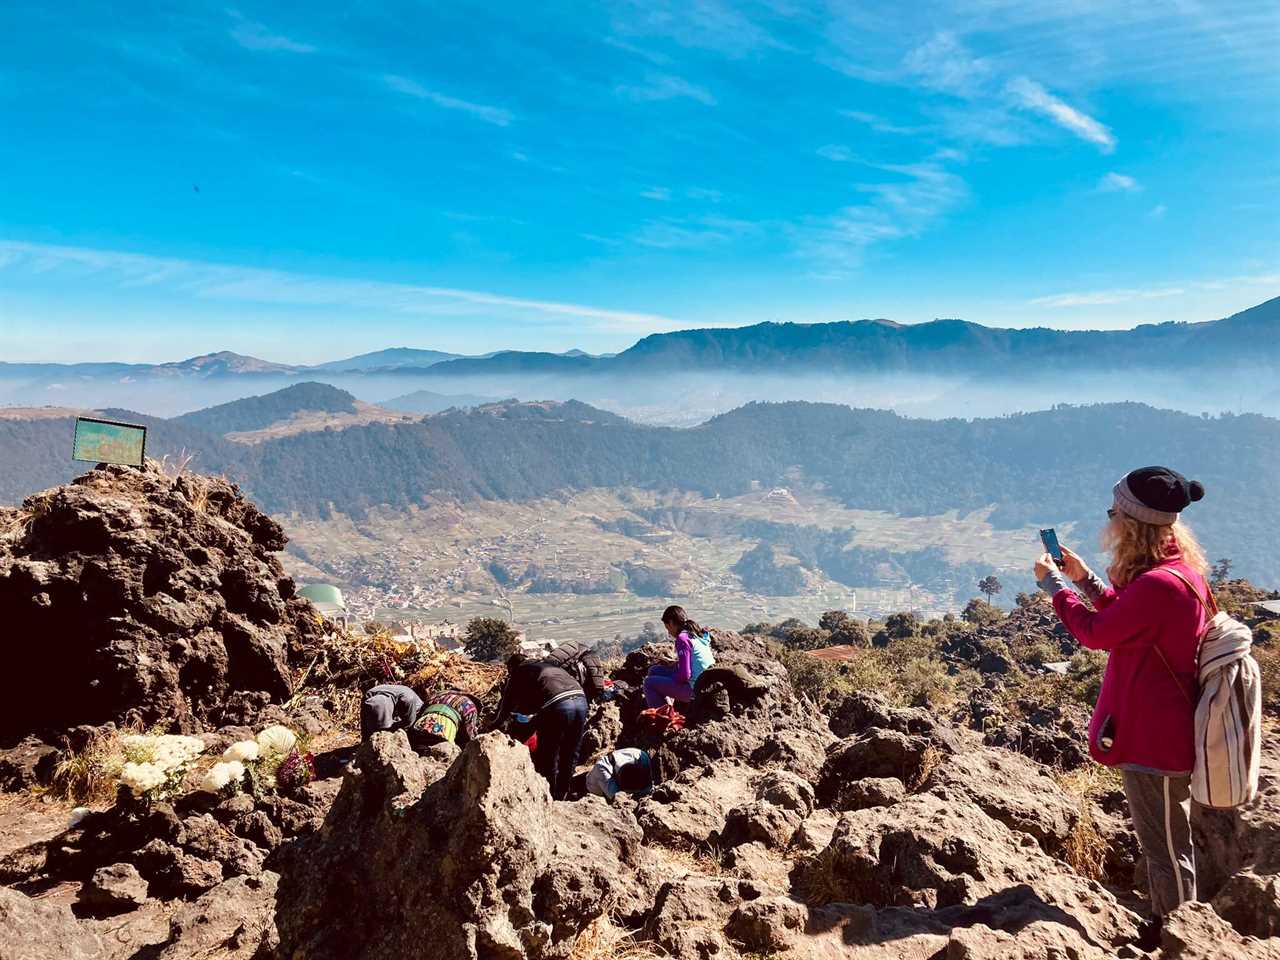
x: 1137, y: 547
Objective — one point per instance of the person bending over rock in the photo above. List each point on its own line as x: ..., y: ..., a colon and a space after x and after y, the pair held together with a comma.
x: 583, y: 663
x: 1149, y: 620
x: 693, y: 655
x: 625, y: 771
x: 449, y: 717
x: 389, y: 706
x: 557, y: 705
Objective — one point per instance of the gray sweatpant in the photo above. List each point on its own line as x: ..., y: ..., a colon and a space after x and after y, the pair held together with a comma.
x: 1161, y: 811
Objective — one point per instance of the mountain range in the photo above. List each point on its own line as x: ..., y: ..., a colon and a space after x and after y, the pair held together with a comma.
x: 1053, y: 467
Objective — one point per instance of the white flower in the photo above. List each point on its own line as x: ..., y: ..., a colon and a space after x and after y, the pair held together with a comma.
x: 244, y: 751
x: 141, y: 778
x: 222, y: 774
x: 277, y: 739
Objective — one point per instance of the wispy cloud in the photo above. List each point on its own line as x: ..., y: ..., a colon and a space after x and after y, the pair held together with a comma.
x: 656, y: 193
x: 196, y: 280
x: 836, y: 153
x: 895, y: 209
x: 945, y: 65
x: 495, y: 115
x: 1097, y: 298
x: 254, y: 36
x: 1031, y: 95
x: 1118, y: 183
x: 1158, y: 211
x: 692, y: 233
x: 879, y: 124
x: 665, y: 86
x: 719, y: 25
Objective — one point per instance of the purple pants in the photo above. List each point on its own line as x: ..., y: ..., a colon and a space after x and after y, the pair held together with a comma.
x: 660, y: 682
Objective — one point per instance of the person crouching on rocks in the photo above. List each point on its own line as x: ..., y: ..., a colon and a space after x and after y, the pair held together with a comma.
x: 449, y: 717
x: 1149, y: 620
x: 623, y: 771
x: 693, y: 655
x: 388, y: 706
x: 557, y: 705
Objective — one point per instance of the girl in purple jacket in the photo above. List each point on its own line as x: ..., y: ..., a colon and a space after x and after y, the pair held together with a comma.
x: 693, y: 655
x: 1149, y: 620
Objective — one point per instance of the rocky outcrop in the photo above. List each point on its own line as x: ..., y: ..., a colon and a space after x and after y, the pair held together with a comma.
x: 478, y: 864
x: 148, y: 598
x: 36, y: 930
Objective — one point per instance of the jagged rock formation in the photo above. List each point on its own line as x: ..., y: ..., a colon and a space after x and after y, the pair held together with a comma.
x: 133, y: 596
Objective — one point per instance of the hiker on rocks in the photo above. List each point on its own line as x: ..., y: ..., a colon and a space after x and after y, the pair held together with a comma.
x: 389, y: 706
x: 1149, y: 620
x: 449, y: 717
x: 693, y: 655
x: 550, y: 697
x: 584, y: 664
x: 623, y: 771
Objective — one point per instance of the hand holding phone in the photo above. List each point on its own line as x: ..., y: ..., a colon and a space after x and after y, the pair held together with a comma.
x: 1050, y: 540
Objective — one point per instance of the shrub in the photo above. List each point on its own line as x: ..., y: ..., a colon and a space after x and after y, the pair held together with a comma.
x: 489, y: 639
x: 980, y: 613
x: 805, y: 638
x: 810, y: 677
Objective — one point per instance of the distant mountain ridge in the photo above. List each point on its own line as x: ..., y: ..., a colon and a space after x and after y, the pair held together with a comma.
x: 1054, y: 467
x: 254, y: 413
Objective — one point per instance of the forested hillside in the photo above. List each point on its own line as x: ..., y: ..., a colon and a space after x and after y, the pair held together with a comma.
x: 1047, y: 468
x: 254, y: 413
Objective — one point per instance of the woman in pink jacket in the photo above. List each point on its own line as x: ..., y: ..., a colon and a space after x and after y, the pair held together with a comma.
x: 1149, y: 621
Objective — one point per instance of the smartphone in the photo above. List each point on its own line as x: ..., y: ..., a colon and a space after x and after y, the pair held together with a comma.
x: 1050, y: 541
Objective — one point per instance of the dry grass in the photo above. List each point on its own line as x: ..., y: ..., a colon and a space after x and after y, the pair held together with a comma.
x: 605, y: 940
x: 702, y: 860
x: 1085, y: 848
x: 88, y: 776
x: 929, y: 761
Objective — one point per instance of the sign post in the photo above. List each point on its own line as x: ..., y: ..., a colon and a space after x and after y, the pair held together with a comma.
x: 106, y: 441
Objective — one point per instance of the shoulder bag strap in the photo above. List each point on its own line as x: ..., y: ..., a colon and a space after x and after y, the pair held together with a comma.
x: 1210, y: 611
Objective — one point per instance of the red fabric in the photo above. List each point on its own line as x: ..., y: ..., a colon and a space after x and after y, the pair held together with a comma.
x: 1153, y: 714
x: 658, y: 720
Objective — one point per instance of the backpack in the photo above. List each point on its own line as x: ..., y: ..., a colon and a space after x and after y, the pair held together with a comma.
x: 1228, y: 725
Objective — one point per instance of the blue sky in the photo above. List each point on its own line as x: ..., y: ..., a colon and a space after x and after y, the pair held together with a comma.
x: 552, y: 175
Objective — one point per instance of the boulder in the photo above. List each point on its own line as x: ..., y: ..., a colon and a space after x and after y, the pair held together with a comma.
x: 787, y: 790
x: 768, y: 925
x: 879, y: 753
x: 156, y: 598
x: 689, y: 811
x: 233, y: 921
x: 931, y: 854
x: 480, y: 864
x: 1195, y: 932
x: 1012, y: 789
x: 1040, y: 940
x: 207, y: 839
x: 114, y: 889
x: 870, y: 792
x: 172, y: 872
x: 1251, y: 904
x: 760, y: 822
x: 41, y: 930
x: 689, y: 916
x: 28, y: 764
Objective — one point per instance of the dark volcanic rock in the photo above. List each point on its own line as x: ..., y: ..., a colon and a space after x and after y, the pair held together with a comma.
x: 113, y: 889
x: 481, y: 863
x: 39, y: 930
x: 149, y: 599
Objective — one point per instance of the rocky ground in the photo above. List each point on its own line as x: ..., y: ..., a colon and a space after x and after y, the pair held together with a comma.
x: 857, y: 829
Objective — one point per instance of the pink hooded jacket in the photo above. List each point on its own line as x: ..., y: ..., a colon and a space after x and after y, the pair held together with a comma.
x: 1152, y: 714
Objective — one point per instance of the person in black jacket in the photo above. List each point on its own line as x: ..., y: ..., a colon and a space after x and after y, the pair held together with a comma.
x: 558, y: 706
x: 583, y: 663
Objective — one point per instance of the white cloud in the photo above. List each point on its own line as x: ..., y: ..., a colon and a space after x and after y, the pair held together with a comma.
x: 1157, y: 212
x: 1118, y: 183
x: 1097, y: 298
x: 199, y: 281
x: 255, y: 36
x: 836, y: 152
x: 495, y: 115
x: 944, y: 64
x: 1032, y: 96
x: 656, y: 193
x: 905, y: 207
x: 1106, y: 297
x: 879, y: 124
x: 665, y: 86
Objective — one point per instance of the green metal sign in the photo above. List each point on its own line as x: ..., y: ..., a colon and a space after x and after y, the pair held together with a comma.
x: 105, y: 441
